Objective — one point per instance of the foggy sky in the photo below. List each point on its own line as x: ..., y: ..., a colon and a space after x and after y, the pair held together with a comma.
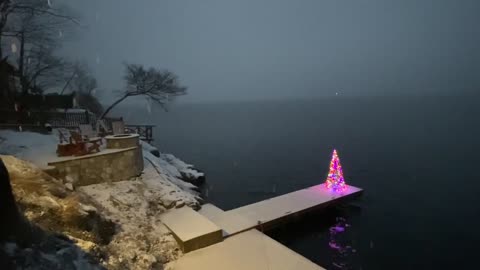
x: 254, y: 49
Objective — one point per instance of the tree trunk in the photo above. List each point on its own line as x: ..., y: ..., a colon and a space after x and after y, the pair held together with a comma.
x: 68, y: 82
x: 113, y: 105
x: 21, y: 64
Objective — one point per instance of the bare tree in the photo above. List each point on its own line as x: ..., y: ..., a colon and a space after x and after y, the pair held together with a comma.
x: 39, y: 28
x: 156, y: 85
x: 84, y: 84
x: 27, y: 8
x: 81, y: 80
x: 43, y: 70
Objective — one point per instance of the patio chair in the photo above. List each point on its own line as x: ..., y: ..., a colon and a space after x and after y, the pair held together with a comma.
x: 63, y: 135
x: 118, y: 127
x: 73, y: 146
x: 77, y: 145
x: 102, y: 128
x: 88, y: 132
x: 90, y: 136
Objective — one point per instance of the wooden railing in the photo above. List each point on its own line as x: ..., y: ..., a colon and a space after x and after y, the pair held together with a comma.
x: 35, y: 121
x: 145, y: 131
x: 56, y: 119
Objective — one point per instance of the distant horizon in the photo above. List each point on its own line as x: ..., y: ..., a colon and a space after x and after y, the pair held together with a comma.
x: 142, y: 101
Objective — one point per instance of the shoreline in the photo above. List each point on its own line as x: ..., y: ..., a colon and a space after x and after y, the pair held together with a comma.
x: 129, y: 205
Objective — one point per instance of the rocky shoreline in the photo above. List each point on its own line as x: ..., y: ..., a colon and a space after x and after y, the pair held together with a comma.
x: 109, y: 225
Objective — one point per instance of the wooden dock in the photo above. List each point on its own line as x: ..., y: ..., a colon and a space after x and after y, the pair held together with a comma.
x: 243, y: 246
x: 265, y: 214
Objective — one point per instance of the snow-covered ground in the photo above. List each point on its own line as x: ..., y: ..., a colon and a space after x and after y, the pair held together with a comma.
x: 30, y: 146
x: 135, y: 205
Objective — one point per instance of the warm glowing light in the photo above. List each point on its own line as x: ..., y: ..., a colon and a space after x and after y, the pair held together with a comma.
x: 335, y: 180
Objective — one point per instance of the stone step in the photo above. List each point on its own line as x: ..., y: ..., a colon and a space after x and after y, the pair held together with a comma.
x: 210, y: 211
x: 191, y: 229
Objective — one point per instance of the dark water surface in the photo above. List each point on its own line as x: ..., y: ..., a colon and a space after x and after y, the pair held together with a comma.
x: 416, y: 158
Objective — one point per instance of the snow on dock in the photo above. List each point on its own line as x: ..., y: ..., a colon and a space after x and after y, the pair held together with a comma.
x: 191, y: 230
x: 244, y: 247
x: 250, y: 250
x: 265, y: 213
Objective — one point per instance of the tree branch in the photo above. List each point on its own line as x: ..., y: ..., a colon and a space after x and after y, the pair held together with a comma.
x: 46, y: 11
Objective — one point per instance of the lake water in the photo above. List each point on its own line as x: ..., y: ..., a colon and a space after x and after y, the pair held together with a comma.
x: 416, y: 158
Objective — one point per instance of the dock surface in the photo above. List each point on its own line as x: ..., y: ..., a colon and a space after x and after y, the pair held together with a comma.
x: 250, y: 250
x: 243, y: 246
x: 270, y: 211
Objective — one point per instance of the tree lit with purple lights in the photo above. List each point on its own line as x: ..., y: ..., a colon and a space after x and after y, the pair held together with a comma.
x: 335, y: 180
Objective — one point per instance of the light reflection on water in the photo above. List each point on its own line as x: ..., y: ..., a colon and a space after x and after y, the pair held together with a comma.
x: 341, y: 244
x: 330, y: 238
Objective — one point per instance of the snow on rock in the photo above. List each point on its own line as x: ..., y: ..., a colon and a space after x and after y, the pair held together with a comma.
x: 181, y: 169
x: 173, y: 166
x: 51, y: 254
x: 136, y: 206
x: 168, y: 172
x: 150, y: 148
x: 181, y: 166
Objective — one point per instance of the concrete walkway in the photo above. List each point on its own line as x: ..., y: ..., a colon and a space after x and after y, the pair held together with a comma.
x: 250, y: 250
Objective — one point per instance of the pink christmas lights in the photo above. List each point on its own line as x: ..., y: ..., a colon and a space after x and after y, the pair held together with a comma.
x: 335, y: 180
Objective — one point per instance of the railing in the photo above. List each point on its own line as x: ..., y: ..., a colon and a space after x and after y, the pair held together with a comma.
x: 108, y: 121
x: 145, y: 131
x: 56, y: 119
x: 35, y: 121
x: 71, y: 119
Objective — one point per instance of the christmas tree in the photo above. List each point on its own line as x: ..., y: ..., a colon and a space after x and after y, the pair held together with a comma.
x: 335, y: 179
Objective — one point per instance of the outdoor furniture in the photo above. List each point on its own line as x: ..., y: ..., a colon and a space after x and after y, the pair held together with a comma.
x: 90, y: 136
x: 84, y: 149
x: 76, y: 145
x: 102, y: 128
x: 62, y: 135
x: 88, y: 133
x: 118, y: 127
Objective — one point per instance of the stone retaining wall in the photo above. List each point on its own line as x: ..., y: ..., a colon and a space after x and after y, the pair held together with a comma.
x: 109, y: 165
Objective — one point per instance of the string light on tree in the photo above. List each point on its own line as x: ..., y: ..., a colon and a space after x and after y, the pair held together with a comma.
x: 335, y: 180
